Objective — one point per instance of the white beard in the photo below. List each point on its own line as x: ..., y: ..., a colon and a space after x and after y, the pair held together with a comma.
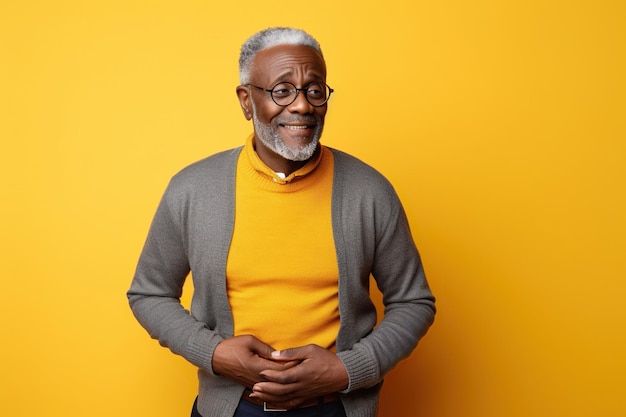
x: 270, y: 137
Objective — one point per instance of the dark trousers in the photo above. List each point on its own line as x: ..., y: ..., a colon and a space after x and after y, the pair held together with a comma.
x: 246, y: 409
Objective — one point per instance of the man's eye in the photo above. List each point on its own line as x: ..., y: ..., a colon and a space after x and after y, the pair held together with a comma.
x: 282, y: 92
x: 315, y: 93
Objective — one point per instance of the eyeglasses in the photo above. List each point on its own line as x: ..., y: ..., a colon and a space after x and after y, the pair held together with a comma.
x: 283, y: 94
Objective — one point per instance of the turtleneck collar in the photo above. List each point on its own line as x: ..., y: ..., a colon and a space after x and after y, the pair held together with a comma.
x: 277, y: 177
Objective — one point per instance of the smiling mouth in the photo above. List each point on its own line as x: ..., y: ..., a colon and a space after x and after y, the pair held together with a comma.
x: 296, y: 127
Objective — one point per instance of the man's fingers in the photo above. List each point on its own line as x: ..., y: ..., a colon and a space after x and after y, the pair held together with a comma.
x: 280, y: 376
x: 273, y: 390
x: 291, y: 354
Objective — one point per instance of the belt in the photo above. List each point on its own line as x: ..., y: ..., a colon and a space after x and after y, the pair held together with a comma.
x: 267, y: 406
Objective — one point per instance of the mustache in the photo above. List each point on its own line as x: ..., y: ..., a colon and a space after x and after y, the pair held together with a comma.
x: 311, y: 119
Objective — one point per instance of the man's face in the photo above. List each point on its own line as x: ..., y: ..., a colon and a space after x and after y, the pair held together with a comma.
x: 292, y: 132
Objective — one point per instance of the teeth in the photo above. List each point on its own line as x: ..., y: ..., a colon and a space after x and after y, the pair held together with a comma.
x: 296, y: 127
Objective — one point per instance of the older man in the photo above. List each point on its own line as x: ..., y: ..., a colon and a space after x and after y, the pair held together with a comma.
x: 281, y: 236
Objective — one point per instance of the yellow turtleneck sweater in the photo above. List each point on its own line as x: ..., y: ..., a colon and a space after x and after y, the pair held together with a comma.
x: 282, y: 271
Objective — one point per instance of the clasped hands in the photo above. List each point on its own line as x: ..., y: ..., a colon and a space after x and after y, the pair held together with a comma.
x: 286, y: 378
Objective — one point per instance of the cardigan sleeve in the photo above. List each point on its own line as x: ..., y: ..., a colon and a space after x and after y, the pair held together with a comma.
x: 156, y: 289
x: 375, y: 240
x: 181, y: 240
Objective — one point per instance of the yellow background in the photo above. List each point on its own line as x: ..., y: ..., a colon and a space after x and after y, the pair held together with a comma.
x: 501, y: 124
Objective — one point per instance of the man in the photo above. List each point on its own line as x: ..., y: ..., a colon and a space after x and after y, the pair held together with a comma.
x: 281, y: 236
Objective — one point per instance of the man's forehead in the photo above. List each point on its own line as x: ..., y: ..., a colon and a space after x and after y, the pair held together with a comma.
x: 282, y: 58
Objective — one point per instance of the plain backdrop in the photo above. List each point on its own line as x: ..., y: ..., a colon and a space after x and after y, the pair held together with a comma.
x: 500, y: 123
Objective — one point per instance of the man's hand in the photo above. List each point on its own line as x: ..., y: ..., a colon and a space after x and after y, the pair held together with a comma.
x: 318, y: 372
x: 243, y: 358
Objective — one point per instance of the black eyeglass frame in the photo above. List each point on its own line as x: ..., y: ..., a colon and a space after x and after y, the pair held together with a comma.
x: 297, y: 90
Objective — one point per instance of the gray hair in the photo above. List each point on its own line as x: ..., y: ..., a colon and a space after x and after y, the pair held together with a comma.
x: 268, y: 38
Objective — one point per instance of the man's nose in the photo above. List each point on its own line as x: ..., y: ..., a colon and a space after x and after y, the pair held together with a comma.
x: 301, y: 104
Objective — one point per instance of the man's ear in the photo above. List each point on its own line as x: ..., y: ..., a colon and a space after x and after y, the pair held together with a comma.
x: 243, y: 93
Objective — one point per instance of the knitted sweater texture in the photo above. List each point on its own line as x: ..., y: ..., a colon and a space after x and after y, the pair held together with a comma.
x: 191, y: 232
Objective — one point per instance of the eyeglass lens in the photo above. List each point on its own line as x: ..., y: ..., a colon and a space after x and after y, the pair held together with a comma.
x: 285, y: 93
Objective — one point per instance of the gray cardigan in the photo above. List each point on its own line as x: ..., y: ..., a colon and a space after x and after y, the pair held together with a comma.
x: 191, y: 231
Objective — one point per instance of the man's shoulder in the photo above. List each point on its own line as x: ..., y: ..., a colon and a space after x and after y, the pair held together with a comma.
x: 358, y: 182
x: 350, y: 169
x: 220, y: 164
x: 206, y: 177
